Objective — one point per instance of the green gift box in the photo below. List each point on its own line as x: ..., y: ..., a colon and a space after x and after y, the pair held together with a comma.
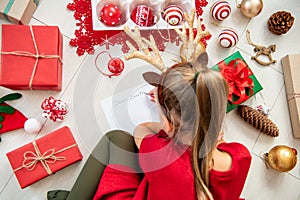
x: 241, y: 80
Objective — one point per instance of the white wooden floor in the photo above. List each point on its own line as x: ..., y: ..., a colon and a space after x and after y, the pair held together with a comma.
x: 83, y: 90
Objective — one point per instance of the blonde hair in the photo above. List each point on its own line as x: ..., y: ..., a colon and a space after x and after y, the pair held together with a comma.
x: 194, y: 100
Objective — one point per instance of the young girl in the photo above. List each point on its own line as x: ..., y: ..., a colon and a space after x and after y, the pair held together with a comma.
x: 183, y: 156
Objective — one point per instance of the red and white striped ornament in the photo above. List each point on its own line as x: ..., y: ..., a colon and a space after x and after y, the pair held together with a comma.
x: 228, y: 38
x: 220, y: 10
x: 173, y: 15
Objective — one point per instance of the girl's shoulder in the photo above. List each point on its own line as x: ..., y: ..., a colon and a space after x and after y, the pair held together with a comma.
x: 235, y: 149
x: 154, y: 142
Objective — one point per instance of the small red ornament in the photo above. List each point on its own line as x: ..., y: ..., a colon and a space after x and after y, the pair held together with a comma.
x: 110, y: 15
x: 143, y: 16
x: 115, y: 65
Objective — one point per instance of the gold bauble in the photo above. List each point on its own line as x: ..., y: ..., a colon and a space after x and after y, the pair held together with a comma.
x: 251, y: 8
x: 281, y: 158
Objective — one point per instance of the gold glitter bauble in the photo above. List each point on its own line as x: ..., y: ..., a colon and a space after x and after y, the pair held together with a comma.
x: 282, y: 158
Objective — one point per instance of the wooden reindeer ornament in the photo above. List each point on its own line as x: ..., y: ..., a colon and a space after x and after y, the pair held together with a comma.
x: 262, y: 50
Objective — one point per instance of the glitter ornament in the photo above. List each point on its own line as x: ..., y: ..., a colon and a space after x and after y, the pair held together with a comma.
x: 220, y: 10
x: 281, y: 158
x: 173, y: 15
x: 143, y: 16
x: 110, y: 15
x: 228, y: 38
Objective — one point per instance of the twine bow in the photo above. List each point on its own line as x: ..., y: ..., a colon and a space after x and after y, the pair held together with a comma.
x: 37, y: 56
x: 32, y: 158
x: 237, y: 74
x: 293, y: 96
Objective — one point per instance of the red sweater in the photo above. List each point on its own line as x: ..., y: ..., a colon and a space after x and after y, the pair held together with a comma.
x: 168, y: 174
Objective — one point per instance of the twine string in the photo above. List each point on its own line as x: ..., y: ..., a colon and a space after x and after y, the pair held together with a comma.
x: 293, y: 96
x: 32, y: 158
x: 37, y: 56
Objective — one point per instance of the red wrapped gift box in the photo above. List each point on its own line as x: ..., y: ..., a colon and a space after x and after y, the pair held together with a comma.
x: 31, y: 57
x: 44, y: 156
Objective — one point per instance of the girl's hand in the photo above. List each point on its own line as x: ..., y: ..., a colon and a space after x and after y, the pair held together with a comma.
x: 151, y: 94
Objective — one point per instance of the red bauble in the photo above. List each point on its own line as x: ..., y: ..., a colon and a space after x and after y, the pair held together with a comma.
x: 143, y: 16
x: 110, y: 15
x: 115, y: 65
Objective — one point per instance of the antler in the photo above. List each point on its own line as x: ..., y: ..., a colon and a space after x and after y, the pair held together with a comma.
x: 153, y: 57
x: 191, y: 47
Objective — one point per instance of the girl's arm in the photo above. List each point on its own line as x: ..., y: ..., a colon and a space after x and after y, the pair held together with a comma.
x: 145, y: 129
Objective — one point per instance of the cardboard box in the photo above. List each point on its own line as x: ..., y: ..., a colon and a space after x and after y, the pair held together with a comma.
x: 44, y: 156
x: 20, y: 68
x: 291, y: 71
x: 18, y: 11
x: 241, y: 80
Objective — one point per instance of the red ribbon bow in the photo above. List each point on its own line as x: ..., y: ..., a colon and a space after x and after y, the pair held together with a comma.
x: 54, y: 109
x: 237, y: 74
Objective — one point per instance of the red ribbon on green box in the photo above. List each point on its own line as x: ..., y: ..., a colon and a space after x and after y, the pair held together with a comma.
x: 241, y: 81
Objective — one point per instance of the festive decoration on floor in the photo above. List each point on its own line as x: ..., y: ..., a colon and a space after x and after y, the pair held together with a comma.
x: 264, y: 109
x: 258, y: 120
x: 86, y: 38
x: 12, y: 119
x: 32, y: 125
x: 281, y: 158
x: 44, y: 156
x: 38, y: 49
x: 110, y: 15
x: 280, y: 22
x: 291, y: 71
x: 54, y: 109
x: 262, y: 50
x: 143, y: 15
x: 228, y: 38
x: 17, y: 12
x: 241, y: 81
x: 250, y: 8
x: 115, y: 65
x: 173, y: 15
x: 220, y: 10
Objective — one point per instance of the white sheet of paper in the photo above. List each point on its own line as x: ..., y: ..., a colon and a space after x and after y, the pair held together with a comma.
x: 129, y: 108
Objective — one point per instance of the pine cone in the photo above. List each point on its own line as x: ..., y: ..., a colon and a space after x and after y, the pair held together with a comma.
x: 280, y: 22
x: 258, y: 120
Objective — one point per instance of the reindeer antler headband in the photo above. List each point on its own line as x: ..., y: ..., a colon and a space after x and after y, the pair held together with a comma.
x: 190, y: 50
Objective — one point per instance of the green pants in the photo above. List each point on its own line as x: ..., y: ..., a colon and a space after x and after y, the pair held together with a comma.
x: 115, y: 147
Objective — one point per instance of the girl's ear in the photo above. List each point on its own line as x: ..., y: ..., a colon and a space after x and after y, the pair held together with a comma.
x: 202, y: 60
x: 152, y: 78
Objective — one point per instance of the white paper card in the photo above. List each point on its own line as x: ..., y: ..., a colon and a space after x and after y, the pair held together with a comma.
x: 129, y: 108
